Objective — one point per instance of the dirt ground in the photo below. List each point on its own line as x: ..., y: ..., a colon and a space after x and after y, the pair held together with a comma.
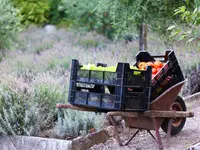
x: 143, y: 141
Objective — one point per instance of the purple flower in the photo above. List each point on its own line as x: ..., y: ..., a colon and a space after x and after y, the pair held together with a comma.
x: 17, y: 124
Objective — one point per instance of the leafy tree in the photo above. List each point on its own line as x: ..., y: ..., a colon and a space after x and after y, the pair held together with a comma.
x: 9, y: 24
x: 32, y: 11
x: 191, y: 18
x: 130, y: 14
x: 82, y: 14
x: 55, y: 15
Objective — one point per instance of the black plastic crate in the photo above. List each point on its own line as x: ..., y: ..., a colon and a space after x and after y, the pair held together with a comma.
x: 123, y: 89
x: 110, y: 90
x: 169, y: 75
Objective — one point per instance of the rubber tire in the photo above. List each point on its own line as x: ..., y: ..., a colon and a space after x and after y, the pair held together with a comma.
x: 175, y: 129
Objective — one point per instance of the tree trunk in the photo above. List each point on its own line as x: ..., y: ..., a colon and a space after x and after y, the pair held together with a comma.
x: 143, y: 37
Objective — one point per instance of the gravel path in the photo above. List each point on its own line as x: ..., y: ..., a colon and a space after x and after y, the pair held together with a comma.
x: 143, y: 141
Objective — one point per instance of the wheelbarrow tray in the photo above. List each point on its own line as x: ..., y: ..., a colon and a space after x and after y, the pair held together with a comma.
x: 160, y: 106
x: 148, y: 120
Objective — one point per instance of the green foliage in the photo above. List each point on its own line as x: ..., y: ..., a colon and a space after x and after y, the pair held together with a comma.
x: 27, y: 103
x: 31, y: 111
x: 88, y: 43
x: 75, y: 9
x: 99, y: 22
x: 64, y: 23
x: 74, y: 123
x: 192, y: 21
x: 82, y: 13
x: 33, y: 11
x: 46, y: 96
x: 55, y: 15
x: 16, y: 117
x: 51, y: 65
x: 43, y: 47
x: 128, y: 15
x: 9, y: 24
x: 58, y: 63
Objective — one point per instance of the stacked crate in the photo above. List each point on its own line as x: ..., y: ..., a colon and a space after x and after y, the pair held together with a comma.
x: 125, y: 89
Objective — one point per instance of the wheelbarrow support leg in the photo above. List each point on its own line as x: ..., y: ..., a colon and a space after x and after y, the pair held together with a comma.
x: 156, y: 127
x: 148, y: 131
x: 116, y: 132
x: 169, y: 128
x: 131, y: 138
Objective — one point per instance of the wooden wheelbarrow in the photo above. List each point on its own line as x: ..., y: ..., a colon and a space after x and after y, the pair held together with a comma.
x: 168, y: 111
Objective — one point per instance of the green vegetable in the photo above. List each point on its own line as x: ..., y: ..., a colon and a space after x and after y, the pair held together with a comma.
x: 108, y: 69
x: 135, y: 72
x: 88, y: 67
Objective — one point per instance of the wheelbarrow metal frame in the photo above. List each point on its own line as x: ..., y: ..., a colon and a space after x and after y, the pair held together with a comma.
x: 159, y: 109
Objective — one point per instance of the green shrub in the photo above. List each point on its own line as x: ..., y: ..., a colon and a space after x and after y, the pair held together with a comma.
x: 88, y: 43
x: 17, y: 116
x: 51, y: 66
x: 65, y: 23
x: 33, y: 11
x: 55, y: 15
x: 58, y: 64
x: 82, y: 13
x: 74, y: 123
x: 9, y: 24
x: 27, y: 103
x: 46, y: 96
x: 43, y: 47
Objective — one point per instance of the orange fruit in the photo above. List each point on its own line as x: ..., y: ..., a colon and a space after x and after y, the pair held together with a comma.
x: 149, y: 64
x: 154, y: 71
x: 142, y: 65
x: 157, y: 64
x: 157, y: 69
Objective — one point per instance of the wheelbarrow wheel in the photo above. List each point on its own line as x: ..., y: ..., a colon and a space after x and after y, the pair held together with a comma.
x: 177, y: 123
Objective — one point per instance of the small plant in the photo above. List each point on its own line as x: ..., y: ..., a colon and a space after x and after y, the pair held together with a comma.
x: 45, y: 96
x: 74, y: 123
x: 61, y: 64
x: 51, y: 65
x: 88, y: 43
x: 43, y: 47
x: 64, y: 63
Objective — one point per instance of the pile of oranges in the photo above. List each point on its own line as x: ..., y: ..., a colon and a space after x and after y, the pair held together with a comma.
x: 156, y: 66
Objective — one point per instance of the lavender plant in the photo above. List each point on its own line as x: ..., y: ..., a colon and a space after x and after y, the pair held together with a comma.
x: 17, y: 116
x: 73, y: 123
